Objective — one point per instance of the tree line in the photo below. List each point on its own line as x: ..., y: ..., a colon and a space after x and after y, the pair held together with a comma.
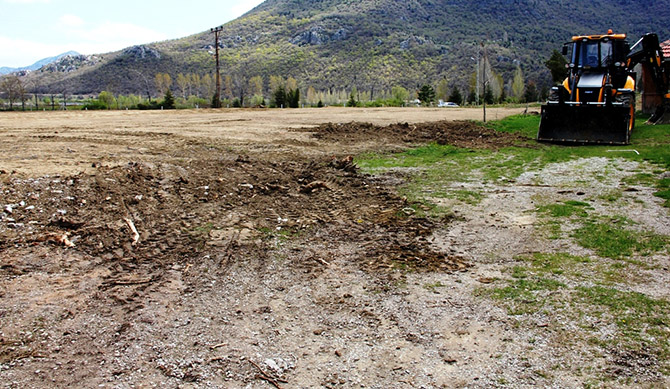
x: 197, y: 91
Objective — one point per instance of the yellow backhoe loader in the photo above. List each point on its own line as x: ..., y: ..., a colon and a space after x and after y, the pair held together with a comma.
x: 596, y: 102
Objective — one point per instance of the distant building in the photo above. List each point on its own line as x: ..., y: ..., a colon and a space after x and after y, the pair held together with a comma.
x: 665, y: 46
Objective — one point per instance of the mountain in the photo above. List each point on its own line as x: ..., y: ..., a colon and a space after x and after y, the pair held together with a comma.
x: 38, y: 64
x: 368, y: 44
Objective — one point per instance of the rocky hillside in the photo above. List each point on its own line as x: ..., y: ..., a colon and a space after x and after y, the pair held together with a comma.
x: 370, y: 44
x: 38, y: 64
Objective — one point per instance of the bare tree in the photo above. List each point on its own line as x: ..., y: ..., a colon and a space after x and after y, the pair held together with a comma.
x: 23, y: 95
x: 207, y: 86
x: 240, y: 84
x: 163, y: 82
x: 12, y: 87
x: 34, y: 88
x: 194, y: 83
x: 228, y: 87
x: 256, y: 85
x: 182, y: 83
x: 146, y: 83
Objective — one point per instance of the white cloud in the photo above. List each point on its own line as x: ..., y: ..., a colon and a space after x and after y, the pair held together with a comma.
x: 19, y: 53
x: 125, y: 32
x: 28, y: 1
x: 97, y: 39
x: 71, y: 20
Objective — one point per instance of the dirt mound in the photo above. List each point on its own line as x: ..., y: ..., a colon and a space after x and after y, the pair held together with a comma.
x: 459, y: 133
x: 151, y: 216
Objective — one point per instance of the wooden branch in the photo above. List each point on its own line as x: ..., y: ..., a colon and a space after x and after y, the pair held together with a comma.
x: 268, y: 377
x: 136, y: 235
x: 218, y: 345
x: 321, y: 261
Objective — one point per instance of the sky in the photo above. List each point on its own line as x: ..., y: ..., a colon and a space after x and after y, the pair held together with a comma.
x: 31, y: 30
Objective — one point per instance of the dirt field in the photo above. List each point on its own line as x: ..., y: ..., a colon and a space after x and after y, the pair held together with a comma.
x: 243, y: 248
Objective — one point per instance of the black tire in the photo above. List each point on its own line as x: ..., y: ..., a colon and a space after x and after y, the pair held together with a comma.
x: 628, y: 100
x: 554, y: 95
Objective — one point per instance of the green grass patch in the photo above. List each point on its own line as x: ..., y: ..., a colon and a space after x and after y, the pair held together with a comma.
x: 279, y: 236
x: 575, y: 289
x: 418, y: 157
x: 647, y: 179
x: 566, y: 209
x: 664, y: 192
x: 611, y: 196
x: 642, y: 320
x: 526, y: 125
x: 557, y: 263
x: 466, y: 196
x: 612, y: 240
x: 526, y: 295
x: 665, y: 195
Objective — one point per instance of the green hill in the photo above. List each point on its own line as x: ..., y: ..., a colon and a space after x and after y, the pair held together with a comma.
x: 368, y: 44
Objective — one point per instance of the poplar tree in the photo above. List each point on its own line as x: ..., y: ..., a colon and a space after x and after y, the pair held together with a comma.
x: 518, y: 85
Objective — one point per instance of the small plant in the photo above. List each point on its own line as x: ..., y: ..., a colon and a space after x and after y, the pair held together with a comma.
x: 433, y: 286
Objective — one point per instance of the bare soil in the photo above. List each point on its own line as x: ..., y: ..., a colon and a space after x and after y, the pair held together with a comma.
x: 244, y: 248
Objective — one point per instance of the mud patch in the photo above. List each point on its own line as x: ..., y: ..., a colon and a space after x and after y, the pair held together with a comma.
x: 148, y: 216
x: 460, y: 133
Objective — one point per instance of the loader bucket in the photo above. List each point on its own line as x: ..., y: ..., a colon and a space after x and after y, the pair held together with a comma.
x: 662, y: 114
x: 600, y: 124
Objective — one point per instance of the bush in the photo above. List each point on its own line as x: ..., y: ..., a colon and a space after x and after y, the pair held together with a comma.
x: 95, y: 105
x: 147, y: 106
x: 376, y: 103
x: 352, y: 99
x: 257, y: 101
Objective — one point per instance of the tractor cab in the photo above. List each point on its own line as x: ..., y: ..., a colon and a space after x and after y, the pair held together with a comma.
x: 599, y: 51
x: 597, y: 61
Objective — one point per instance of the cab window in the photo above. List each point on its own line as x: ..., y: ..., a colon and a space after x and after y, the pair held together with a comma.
x: 589, y: 55
x: 606, y: 53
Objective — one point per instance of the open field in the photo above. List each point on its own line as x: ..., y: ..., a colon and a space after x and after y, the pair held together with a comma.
x: 66, y: 142
x: 264, y: 248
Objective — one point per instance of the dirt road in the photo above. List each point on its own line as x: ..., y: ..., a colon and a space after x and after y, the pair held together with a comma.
x: 237, y: 249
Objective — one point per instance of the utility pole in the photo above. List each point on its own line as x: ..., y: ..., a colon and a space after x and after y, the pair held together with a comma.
x: 216, y: 103
x: 485, y: 80
x: 477, y: 88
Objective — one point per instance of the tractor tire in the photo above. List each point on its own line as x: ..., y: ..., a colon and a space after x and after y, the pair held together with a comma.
x: 628, y: 99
